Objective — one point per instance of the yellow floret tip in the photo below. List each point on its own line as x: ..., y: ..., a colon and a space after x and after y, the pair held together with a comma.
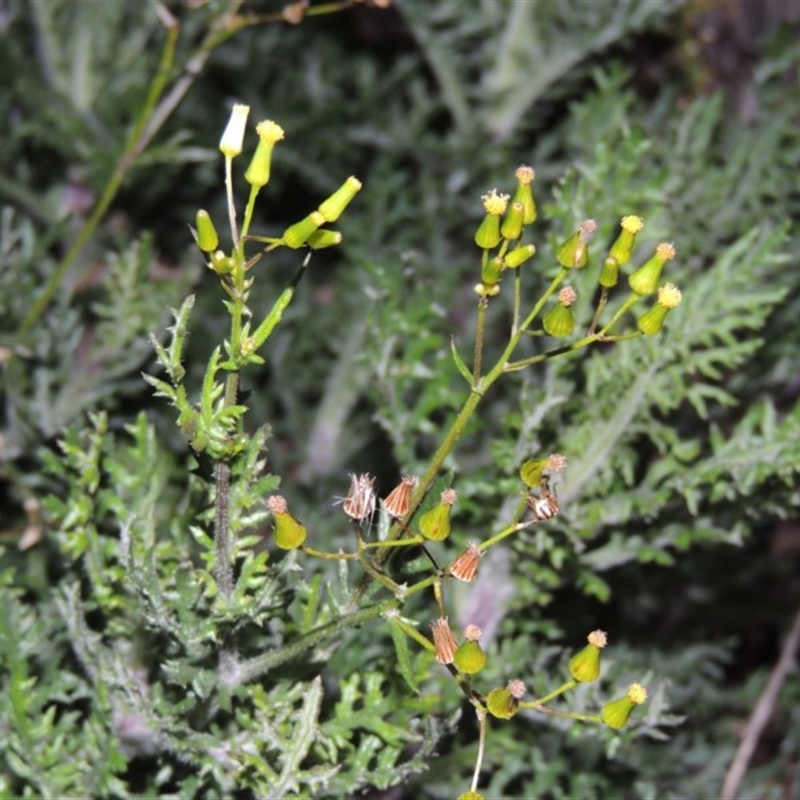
x: 269, y: 131
x: 631, y: 223
x: 637, y: 693
x: 495, y: 203
x: 666, y: 251
x: 669, y: 296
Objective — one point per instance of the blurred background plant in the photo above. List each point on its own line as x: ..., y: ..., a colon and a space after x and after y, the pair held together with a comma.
x: 679, y: 508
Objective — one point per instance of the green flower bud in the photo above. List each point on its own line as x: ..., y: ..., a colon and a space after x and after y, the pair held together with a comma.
x: 298, y: 234
x: 232, y: 138
x: 490, y: 271
x: 332, y: 208
x: 207, y: 239
x: 574, y: 252
x: 488, y: 234
x: 644, y: 281
x: 511, y: 227
x: 524, y: 193
x: 289, y: 533
x: 220, y: 263
x: 651, y: 322
x: 622, y: 248
x: 501, y: 703
x: 519, y: 255
x: 269, y: 133
x: 616, y: 713
x: 585, y: 665
x: 320, y: 239
x: 609, y: 272
x: 434, y: 524
x: 559, y: 320
x: 487, y: 289
x: 470, y: 658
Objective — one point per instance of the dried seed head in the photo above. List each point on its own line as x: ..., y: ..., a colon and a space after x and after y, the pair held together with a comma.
x: 465, y: 567
x: 396, y: 504
x: 360, y: 501
x: 443, y: 641
x: 544, y: 507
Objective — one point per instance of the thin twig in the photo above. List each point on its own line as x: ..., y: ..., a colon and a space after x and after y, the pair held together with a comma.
x: 761, y: 714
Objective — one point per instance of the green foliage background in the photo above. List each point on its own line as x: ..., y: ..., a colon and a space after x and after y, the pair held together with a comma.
x: 682, y: 483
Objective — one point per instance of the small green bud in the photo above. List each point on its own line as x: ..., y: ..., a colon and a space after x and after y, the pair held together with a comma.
x: 491, y: 270
x: 501, y: 703
x: 434, y: 524
x: 651, y: 322
x: 559, y: 320
x: 298, y: 234
x: 487, y: 289
x: 585, y: 665
x: 320, y: 239
x: 511, y: 227
x: 207, y: 239
x: 269, y: 133
x: 524, y: 193
x: 289, y: 533
x: 220, y: 263
x: 470, y: 658
x: 332, y: 208
x: 622, y: 248
x: 232, y: 138
x: 574, y: 252
x: 519, y: 255
x: 609, y: 272
x: 616, y: 713
x: 644, y: 281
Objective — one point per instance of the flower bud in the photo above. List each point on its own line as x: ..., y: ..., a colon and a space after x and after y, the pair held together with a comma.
x: 470, y: 794
x: 524, y: 193
x: 644, y: 281
x: 332, y: 208
x: 322, y: 238
x: 511, y: 227
x: 609, y: 272
x: 269, y: 133
x: 501, y: 703
x: 289, y: 533
x: 207, y: 238
x: 434, y: 524
x: 616, y: 713
x: 622, y: 248
x: 490, y: 271
x: 519, y: 255
x: 231, y: 143
x: 574, y: 252
x: 585, y: 666
x: 559, y: 320
x: 220, y: 263
x: 487, y: 289
x: 470, y: 658
x: 297, y: 235
x: 651, y: 322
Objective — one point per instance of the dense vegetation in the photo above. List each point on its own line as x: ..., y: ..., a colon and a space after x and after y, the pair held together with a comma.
x: 678, y: 524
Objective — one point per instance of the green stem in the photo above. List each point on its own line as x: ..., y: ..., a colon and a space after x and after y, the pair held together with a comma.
x: 413, y: 633
x: 251, y: 669
x: 565, y: 687
x: 483, y: 304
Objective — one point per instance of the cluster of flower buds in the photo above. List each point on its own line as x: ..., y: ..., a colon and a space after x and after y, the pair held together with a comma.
x: 502, y: 226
